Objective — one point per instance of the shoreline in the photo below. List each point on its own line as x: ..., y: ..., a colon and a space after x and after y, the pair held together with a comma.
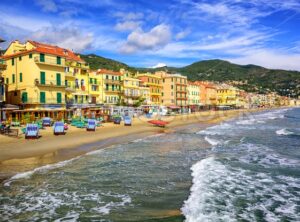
x: 19, y: 155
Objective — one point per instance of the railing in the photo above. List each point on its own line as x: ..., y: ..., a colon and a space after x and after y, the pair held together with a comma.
x: 131, y: 95
x: 78, y: 65
x: 76, y: 102
x: 49, y: 83
x: 49, y: 61
x: 2, y: 64
x: 110, y: 81
x: 113, y: 90
x: 38, y: 101
x: 70, y: 86
x: 70, y: 74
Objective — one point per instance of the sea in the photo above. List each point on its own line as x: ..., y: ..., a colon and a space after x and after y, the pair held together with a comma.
x: 244, y: 169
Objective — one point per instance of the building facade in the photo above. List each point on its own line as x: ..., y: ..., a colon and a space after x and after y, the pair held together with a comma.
x: 35, y: 75
x: 154, y: 83
x: 174, y: 90
x: 112, y: 86
x: 194, y: 94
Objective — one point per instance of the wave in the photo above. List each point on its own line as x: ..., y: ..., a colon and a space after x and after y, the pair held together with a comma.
x: 212, y: 142
x: 28, y: 174
x: 284, y: 131
x: 224, y: 193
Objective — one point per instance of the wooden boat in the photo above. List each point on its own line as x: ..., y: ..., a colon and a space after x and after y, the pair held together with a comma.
x: 159, y: 123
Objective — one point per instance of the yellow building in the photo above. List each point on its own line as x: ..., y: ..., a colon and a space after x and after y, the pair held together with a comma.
x: 95, y: 88
x: 154, y: 82
x: 112, y: 86
x: 35, y: 75
x: 77, y: 82
x: 227, y: 95
x: 2, y: 85
x: 193, y: 94
x: 132, y: 94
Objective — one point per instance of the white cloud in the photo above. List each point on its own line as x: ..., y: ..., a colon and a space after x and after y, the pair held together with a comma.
x: 183, y: 34
x: 127, y: 26
x: 47, y: 5
x: 274, y: 59
x: 129, y: 15
x: 156, y: 38
x: 70, y: 38
x: 159, y: 65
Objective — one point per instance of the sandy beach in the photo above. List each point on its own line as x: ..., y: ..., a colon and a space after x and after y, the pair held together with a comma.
x: 18, y: 154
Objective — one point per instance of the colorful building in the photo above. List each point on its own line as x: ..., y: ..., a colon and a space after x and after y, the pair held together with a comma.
x: 95, y: 88
x: 131, y: 87
x: 112, y: 93
x: 77, y: 82
x: 174, y: 90
x: 208, y: 95
x: 227, y: 95
x: 35, y: 76
x: 154, y: 82
x: 194, y: 95
x: 2, y: 85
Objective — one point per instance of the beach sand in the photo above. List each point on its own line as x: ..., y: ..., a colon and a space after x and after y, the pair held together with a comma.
x: 19, y: 155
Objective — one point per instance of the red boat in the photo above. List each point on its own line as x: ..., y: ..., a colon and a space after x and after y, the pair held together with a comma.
x: 159, y: 123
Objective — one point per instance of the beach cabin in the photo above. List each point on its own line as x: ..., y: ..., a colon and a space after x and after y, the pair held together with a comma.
x: 46, y: 121
x: 59, y: 128
x: 32, y: 131
x: 127, y: 121
x: 91, y: 125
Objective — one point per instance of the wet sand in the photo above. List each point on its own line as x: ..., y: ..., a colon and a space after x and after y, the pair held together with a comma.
x: 19, y: 155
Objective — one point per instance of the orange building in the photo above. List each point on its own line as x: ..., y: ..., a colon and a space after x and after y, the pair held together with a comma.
x: 208, y: 95
x: 174, y: 90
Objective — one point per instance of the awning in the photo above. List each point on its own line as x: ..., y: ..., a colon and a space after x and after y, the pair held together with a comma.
x: 10, y: 107
x: 173, y: 107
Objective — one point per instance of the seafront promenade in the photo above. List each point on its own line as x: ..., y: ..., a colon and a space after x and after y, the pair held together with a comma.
x: 18, y: 154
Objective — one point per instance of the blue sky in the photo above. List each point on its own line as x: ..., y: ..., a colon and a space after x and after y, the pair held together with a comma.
x: 147, y: 33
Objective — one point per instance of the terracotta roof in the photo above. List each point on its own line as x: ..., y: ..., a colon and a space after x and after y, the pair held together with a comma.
x: 48, y: 49
x: 110, y: 72
x: 55, y: 50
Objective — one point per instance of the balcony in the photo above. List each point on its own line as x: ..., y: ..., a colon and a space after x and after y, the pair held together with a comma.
x: 38, y: 101
x: 70, y: 75
x: 112, y: 82
x: 181, y: 84
x: 70, y: 87
x: 78, y: 65
x: 2, y: 64
x: 111, y: 90
x: 49, y: 61
x: 155, y: 94
x: 130, y: 95
x: 49, y: 83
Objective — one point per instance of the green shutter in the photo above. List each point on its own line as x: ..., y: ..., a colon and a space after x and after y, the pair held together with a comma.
x: 30, y: 56
x: 21, y: 77
x: 24, y: 97
x: 42, y: 57
x: 20, y: 58
x: 13, y: 78
x: 58, y: 79
x: 13, y: 61
x: 7, y: 80
x: 91, y: 81
x: 95, y: 81
x: 58, y: 60
x: 43, y: 78
x: 42, y: 97
x: 58, y: 97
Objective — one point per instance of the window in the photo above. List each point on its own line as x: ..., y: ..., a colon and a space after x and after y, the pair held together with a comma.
x: 172, y: 87
x: 13, y: 61
x: 20, y: 58
x: 7, y: 80
x: 58, y: 79
x: 58, y: 60
x: 58, y: 97
x: 13, y: 78
x: 42, y: 78
x: 106, y: 87
x: 30, y: 56
x: 106, y: 76
x: 42, y: 57
x: 91, y: 81
x: 42, y: 97
x: 24, y: 97
x: 21, y: 77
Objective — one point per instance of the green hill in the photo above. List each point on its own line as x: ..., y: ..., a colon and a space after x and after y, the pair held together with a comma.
x: 252, y: 78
